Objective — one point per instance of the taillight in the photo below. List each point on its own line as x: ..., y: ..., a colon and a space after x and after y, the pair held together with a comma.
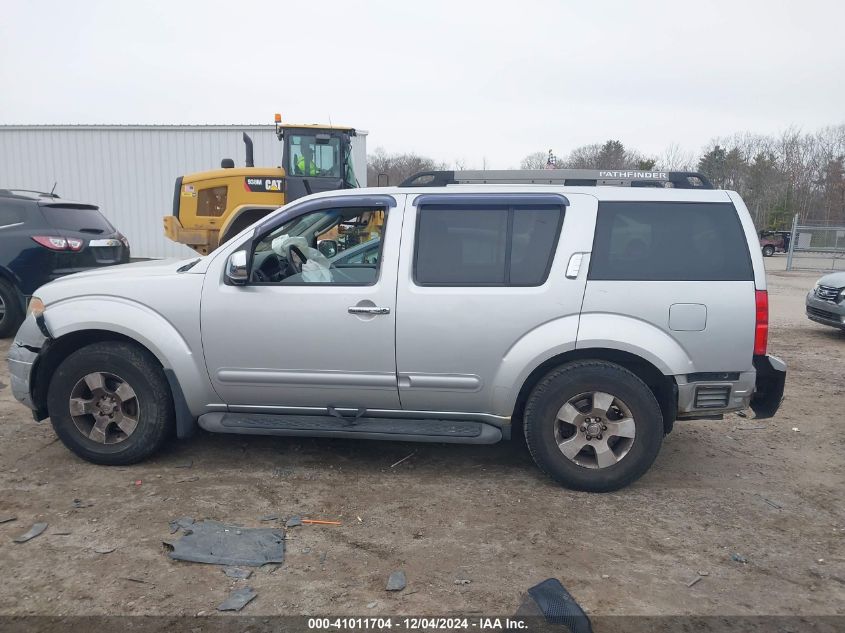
x: 761, y: 327
x: 53, y: 243
x: 59, y: 243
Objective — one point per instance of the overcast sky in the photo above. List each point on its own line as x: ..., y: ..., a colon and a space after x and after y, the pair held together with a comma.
x: 451, y: 80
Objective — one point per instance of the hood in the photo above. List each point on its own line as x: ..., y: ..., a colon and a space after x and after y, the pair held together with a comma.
x: 110, y: 280
x: 834, y: 280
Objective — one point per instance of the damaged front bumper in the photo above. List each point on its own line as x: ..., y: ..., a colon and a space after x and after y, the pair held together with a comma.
x: 22, y: 357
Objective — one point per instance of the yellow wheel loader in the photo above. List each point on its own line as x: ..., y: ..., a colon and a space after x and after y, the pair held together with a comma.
x: 213, y: 206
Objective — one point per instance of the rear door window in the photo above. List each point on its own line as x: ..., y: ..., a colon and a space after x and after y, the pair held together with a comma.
x: 78, y: 220
x: 535, y: 233
x: 494, y: 245
x: 669, y: 241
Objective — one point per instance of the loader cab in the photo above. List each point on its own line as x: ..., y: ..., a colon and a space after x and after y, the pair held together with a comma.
x: 316, y: 158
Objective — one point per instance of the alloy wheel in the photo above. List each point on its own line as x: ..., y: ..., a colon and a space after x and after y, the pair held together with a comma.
x: 595, y: 429
x: 104, y: 408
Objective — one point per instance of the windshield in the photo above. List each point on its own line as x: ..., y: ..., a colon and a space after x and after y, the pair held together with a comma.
x: 314, y: 155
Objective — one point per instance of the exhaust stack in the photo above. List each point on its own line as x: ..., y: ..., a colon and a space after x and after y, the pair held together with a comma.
x: 250, y: 161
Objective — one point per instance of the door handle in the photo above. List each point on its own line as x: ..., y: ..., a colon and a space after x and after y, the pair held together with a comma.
x: 368, y: 310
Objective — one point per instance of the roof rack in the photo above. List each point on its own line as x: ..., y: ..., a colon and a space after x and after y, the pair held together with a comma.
x: 569, y: 177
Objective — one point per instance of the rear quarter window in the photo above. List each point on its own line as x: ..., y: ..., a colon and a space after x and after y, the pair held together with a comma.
x: 669, y: 241
x: 10, y: 214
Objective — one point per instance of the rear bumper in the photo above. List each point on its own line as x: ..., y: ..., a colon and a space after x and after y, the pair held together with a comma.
x: 43, y: 266
x: 770, y: 383
x: 760, y: 389
x: 724, y: 395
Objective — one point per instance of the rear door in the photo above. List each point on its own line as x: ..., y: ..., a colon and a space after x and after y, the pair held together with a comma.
x: 478, y: 274
x: 682, y: 266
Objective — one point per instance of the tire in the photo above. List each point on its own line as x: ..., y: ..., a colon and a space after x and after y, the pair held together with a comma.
x: 631, y: 399
x: 148, y: 402
x: 11, y: 312
x: 768, y: 250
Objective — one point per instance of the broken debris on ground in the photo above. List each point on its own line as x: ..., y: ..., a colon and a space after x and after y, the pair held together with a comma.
x: 237, y: 573
x: 220, y: 544
x: 396, y: 581
x: 238, y: 599
x: 551, y: 600
x: 34, y: 531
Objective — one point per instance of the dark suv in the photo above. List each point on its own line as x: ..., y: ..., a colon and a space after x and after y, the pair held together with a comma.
x: 42, y: 238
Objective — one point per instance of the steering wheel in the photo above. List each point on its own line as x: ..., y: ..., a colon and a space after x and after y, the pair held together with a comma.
x: 269, y: 270
x: 296, y: 262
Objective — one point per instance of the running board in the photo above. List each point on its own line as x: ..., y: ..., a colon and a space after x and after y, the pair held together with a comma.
x: 396, y: 429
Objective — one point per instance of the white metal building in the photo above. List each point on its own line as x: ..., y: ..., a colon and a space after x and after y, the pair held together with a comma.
x: 130, y: 170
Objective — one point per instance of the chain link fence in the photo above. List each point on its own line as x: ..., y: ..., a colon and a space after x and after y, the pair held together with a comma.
x: 816, y: 247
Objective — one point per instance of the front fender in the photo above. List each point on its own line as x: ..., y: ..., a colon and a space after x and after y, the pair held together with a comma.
x: 144, y: 325
x: 627, y: 334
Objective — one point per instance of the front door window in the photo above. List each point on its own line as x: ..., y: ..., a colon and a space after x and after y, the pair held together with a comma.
x: 331, y: 246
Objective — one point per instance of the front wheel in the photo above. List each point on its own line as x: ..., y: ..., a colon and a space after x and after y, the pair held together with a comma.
x: 768, y: 250
x: 593, y: 425
x: 110, y: 403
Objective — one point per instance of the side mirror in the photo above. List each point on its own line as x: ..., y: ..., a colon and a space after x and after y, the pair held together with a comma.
x: 327, y: 248
x: 236, y: 270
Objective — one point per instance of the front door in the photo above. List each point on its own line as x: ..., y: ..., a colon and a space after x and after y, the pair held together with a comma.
x: 309, y: 329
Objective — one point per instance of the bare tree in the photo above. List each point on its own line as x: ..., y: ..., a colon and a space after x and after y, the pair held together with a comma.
x: 676, y: 158
x: 611, y: 154
x: 535, y: 160
x: 778, y: 177
x: 392, y: 169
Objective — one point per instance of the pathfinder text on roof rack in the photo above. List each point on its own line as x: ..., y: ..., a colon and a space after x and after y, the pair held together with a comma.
x: 567, y: 177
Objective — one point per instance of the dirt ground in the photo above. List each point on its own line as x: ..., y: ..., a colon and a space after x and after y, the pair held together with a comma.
x: 770, y: 491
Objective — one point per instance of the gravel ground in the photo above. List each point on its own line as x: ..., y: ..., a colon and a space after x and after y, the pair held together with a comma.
x: 769, y: 491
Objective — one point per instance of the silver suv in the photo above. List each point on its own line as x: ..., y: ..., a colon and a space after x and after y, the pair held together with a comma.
x: 589, y: 317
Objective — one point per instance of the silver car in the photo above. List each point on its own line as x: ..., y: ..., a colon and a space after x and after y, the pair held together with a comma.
x: 593, y: 316
x: 826, y: 302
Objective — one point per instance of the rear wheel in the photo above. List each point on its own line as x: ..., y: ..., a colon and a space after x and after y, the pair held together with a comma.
x: 768, y: 250
x: 11, y: 312
x: 593, y: 425
x: 110, y: 403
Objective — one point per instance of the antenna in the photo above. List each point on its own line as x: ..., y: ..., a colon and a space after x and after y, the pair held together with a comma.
x: 54, y: 188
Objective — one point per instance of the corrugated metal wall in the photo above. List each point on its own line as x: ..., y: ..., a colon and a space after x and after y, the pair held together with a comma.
x: 128, y: 170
